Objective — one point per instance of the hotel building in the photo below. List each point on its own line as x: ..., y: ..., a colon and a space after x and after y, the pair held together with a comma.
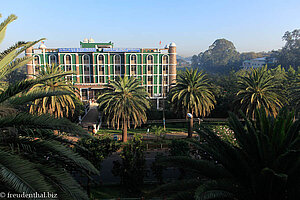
x: 94, y: 64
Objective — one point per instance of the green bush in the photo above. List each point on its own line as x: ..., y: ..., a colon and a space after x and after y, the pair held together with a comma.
x: 131, y: 169
x: 179, y: 148
x: 97, y: 149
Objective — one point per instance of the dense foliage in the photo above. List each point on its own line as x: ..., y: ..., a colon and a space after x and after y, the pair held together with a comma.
x: 222, y: 57
x: 263, y: 166
x: 289, y: 55
x: 97, y: 149
x: 131, y: 169
x: 33, y: 158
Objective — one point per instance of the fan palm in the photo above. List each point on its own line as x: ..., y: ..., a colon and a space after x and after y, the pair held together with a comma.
x: 32, y: 158
x: 60, y: 105
x: 192, y: 93
x: 258, y: 88
x: 264, y: 166
x: 124, y: 101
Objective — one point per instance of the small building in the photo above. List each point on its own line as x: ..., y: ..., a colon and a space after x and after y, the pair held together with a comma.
x: 258, y: 62
x: 94, y: 64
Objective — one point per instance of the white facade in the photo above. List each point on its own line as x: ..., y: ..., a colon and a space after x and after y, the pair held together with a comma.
x: 255, y: 63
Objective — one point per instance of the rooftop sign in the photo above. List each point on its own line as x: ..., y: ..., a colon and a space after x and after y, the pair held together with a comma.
x: 77, y: 49
x: 121, y: 50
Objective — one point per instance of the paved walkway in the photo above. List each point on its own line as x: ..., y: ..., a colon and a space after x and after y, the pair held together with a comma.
x: 92, y: 117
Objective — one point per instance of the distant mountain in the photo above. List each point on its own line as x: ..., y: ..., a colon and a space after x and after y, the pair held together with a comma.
x: 182, y: 63
x: 187, y: 59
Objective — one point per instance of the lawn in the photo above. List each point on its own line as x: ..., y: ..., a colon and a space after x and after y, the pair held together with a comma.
x: 169, y: 129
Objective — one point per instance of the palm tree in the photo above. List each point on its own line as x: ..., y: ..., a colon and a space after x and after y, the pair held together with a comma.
x: 258, y: 88
x: 58, y: 105
x: 192, y: 93
x: 32, y: 158
x: 295, y: 94
x: 263, y: 166
x: 124, y: 101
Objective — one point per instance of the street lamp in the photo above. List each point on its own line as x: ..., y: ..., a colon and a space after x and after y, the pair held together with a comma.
x: 190, y: 124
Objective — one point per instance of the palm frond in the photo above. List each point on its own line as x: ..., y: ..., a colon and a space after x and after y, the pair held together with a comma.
x: 176, y: 186
x: 201, y: 167
x: 21, y: 175
x: 25, y: 120
x: 65, y: 153
x: 4, y: 25
x: 65, y: 185
x: 33, y: 95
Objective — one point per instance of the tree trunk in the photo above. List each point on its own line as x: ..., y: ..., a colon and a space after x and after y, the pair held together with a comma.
x: 124, y: 131
x: 190, y: 130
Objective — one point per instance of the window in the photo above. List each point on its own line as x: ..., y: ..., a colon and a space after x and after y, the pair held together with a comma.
x: 86, y: 59
x: 68, y: 68
x: 101, y: 79
x: 165, y: 79
x: 150, y: 69
x: 69, y: 78
x: 150, y: 90
x: 101, y: 69
x: 118, y: 70
x: 68, y: 60
x: 165, y: 68
x: 87, y: 79
x: 165, y: 60
x: 36, y: 64
x: 86, y: 69
x: 150, y: 80
x: 117, y: 59
x: 100, y: 59
x: 52, y: 59
x: 150, y: 59
x: 101, y: 64
x: 37, y: 69
x: 133, y: 59
x: 84, y: 94
x: 133, y: 69
x: 36, y: 60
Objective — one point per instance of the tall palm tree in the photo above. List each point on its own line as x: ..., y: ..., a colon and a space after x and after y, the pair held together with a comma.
x: 258, y: 88
x: 193, y: 93
x: 263, y: 166
x: 58, y: 105
x: 32, y: 158
x: 124, y: 101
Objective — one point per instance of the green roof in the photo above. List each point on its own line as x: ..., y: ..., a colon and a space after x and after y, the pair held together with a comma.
x: 93, y: 45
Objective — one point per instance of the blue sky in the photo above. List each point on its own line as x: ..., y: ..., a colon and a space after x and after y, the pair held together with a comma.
x: 252, y: 25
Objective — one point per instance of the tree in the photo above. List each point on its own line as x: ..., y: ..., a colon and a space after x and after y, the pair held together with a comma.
x: 295, y: 94
x: 263, y: 166
x: 132, y: 168
x: 59, y: 105
x: 289, y: 55
x: 225, y: 88
x: 221, y: 56
x: 32, y: 158
x: 158, y: 131
x: 124, y: 101
x: 258, y: 88
x: 192, y: 93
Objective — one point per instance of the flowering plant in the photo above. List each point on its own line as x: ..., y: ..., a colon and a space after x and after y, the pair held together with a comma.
x: 225, y: 133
